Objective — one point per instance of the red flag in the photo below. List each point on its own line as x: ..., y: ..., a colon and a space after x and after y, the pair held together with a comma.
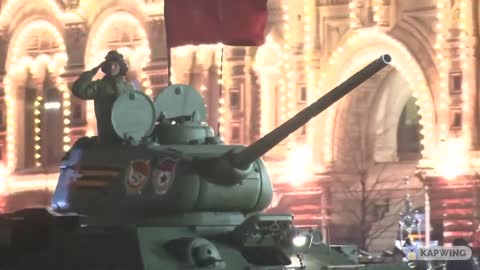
x: 231, y: 22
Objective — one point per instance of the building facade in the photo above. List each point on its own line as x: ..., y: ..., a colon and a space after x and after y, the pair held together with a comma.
x: 420, y: 113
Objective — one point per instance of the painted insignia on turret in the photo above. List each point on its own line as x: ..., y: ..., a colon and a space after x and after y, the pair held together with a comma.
x: 163, y: 175
x: 137, y: 176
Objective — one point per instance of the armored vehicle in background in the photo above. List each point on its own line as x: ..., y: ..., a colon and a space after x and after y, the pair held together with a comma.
x: 169, y: 196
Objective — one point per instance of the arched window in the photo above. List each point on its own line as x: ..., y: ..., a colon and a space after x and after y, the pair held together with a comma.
x: 408, y: 133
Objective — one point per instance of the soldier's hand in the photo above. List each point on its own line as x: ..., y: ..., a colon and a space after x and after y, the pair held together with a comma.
x: 95, y: 69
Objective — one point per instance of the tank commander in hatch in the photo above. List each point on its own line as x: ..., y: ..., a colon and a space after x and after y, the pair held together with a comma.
x: 104, y: 92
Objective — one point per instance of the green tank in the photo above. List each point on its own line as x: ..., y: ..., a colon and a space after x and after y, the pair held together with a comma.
x: 169, y: 195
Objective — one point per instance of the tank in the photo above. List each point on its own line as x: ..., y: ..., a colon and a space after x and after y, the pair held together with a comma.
x: 170, y: 195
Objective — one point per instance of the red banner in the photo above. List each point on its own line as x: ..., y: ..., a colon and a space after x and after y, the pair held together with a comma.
x: 231, y: 22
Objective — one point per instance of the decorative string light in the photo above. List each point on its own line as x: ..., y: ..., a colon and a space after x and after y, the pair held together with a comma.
x: 376, y: 4
x: 66, y: 105
x: 286, y: 67
x: 67, y: 140
x: 219, y: 58
x: 443, y: 68
x: 10, y: 102
x: 411, y: 71
x: 467, y: 91
x: 262, y: 67
x: 354, y: 20
x: 308, y: 39
x: 442, y: 46
x: 37, y: 134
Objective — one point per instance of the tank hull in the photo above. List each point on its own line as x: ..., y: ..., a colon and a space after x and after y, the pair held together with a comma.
x: 41, y: 239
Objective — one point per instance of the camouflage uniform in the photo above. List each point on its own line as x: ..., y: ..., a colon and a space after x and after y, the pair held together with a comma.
x: 104, y: 92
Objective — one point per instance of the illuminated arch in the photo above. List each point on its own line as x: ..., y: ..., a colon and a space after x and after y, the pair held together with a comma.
x: 9, y: 15
x: 361, y: 48
x: 17, y: 62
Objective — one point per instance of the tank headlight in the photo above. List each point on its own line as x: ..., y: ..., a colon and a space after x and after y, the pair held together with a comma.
x: 300, y: 240
x: 305, y: 237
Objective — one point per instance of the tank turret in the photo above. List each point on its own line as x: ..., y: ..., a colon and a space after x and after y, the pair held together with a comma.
x: 169, y: 195
x: 171, y: 165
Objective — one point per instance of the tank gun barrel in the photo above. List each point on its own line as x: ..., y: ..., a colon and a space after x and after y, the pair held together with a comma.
x: 248, y: 155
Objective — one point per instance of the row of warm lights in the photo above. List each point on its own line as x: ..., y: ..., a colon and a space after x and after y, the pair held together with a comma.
x: 354, y: 20
x: 376, y: 10
x: 285, y: 65
x: 66, y: 105
x: 220, y: 62
x: 146, y: 84
x: 266, y: 69
x: 456, y: 161
x: 443, y: 68
x: 55, y: 66
x: 308, y: 39
x: 452, y: 156
x: 379, y: 11
x: 37, y: 133
x: 289, y: 69
x: 10, y: 102
x: 467, y: 92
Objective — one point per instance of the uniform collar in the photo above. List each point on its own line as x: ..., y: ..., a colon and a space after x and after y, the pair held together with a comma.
x: 115, y: 79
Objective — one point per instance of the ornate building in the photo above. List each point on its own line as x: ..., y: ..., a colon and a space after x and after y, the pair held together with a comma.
x: 420, y: 113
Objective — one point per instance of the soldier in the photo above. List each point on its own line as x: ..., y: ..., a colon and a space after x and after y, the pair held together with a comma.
x: 104, y: 92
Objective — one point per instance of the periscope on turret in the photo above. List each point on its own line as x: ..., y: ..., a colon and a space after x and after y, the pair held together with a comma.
x: 168, y: 194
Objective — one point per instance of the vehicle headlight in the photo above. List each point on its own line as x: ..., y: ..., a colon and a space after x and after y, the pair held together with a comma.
x: 302, y: 237
x: 300, y: 240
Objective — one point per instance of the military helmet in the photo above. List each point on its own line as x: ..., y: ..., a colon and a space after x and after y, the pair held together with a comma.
x: 114, y: 56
